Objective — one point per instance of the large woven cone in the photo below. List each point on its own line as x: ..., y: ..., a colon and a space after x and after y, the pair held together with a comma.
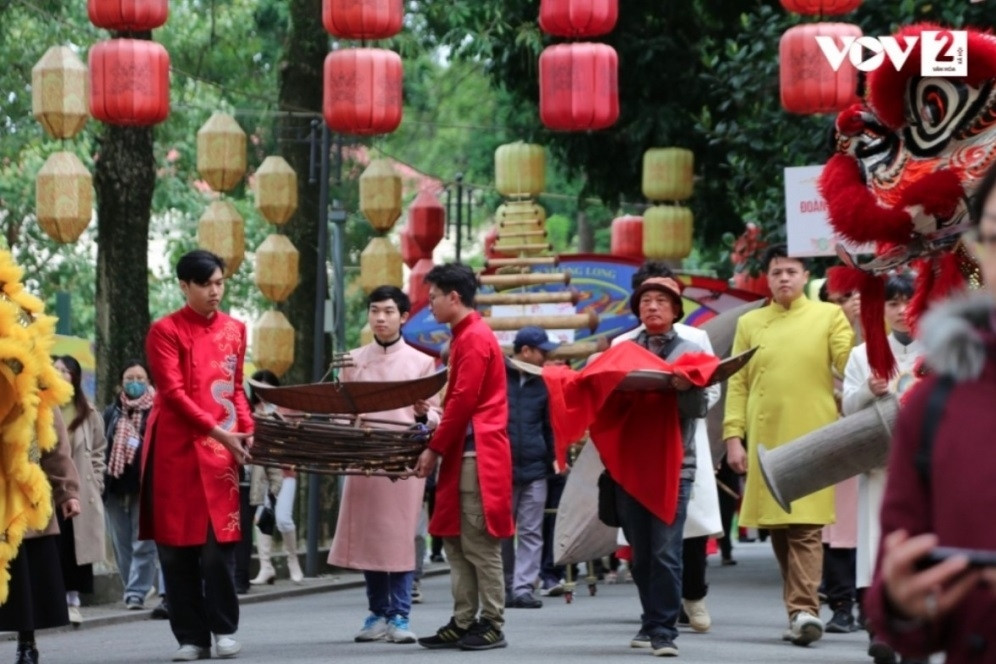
x: 63, y: 197
x: 221, y: 152
x: 59, y: 92
x: 273, y: 343
x: 277, y: 272
x: 221, y: 231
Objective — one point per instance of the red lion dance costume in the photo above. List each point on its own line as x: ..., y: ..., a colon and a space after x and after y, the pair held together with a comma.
x: 908, y: 160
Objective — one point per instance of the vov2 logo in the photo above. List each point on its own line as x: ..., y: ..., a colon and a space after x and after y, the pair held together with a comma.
x: 942, y: 52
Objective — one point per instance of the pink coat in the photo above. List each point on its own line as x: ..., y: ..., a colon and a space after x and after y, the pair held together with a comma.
x: 378, y: 517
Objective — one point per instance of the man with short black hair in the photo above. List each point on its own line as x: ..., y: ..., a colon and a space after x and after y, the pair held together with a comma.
x: 199, y: 431
x: 531, y: 438
x: 784, y: 392
x: 473, y: 509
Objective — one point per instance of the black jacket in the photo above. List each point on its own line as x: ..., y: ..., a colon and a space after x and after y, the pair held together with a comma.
x: 529, y: 431
x: 128, y: 483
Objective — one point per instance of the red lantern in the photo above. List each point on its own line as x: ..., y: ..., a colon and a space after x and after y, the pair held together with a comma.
x: 129, y: 82
x: 627, y: 237
x: 427, y: 220
x: 578, y: 18
x: 821, y: 7
x: 362, y: 91
x: 418, y: 290
x: 579, y: 87
x: 362, y: 19
x: 808, y: 83
x: 411, y: 252
x: 128, y: 15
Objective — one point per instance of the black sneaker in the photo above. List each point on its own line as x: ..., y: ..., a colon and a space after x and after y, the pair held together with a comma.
x: 662, y: 646
x: 525, y: 601
x: 483, y: 635
x: 447, y: 636
x: 641, y: 640
x: 161, y: 612
x: 683, y: 618
x: 842, y: 621
x: 881, y: 652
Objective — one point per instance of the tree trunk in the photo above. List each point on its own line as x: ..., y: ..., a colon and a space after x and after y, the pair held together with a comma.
x: 301, y: 89
x: 124, y: 180
x: 586, y: 235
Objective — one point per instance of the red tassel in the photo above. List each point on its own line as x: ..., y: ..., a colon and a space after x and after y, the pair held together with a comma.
x: 921, y: 292
x: 841, y: 279
x: 880, y: 358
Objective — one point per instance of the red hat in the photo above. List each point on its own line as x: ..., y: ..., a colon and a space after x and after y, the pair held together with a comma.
x: 663, y: 284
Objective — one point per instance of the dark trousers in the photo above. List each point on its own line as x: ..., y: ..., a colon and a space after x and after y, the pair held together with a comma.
x: 727, y: 506
x: 693, y: 568
x: 243, y: 548
x: 201, y: 590
x: 657, y: 553
x: 436, y: 546
x: 551, y: 574
x: 839, y: 577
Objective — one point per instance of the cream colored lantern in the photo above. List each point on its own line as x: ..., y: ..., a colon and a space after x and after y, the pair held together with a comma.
x: 222, y: 231
x: 667, y: 232
x: 520, y: 169
x: 59, y: 92
x: 380, y: 195
x: 277, y: 268
x: 667, y: 174
x: 273, y: 343
x: 63, y: 197
x: 380, y: 265
x: 276, y: 190
x: 366, y: 335
x: 221, y: 152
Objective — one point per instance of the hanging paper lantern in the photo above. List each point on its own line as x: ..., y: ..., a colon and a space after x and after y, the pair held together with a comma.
x: 667, y: 232
x: 578, y: 18
x: 58, y: 92
x: 63, y: 197
x: 627, y: 237
x: 221, y: 152
x: 411, y: 251
x: 520, y: 169
x: 418, y: 290
x: 821, y: 7
x: 380, y: 265
x: 222, y: 232
x: 807, y: 81
x: 129, y: 82
x: 667, y: 174
x: 427, y: 220
x: 579, y: 86
x: 362, y: 91
x: 277, y: 268
x: 366, y: 335
x: 128, y: 15
x: 380, y: 195
x: 276, y: 190
x: 362, y: 19
x: 273, y: 343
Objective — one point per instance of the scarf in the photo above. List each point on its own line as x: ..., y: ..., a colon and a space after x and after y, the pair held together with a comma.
x: 128, y: 426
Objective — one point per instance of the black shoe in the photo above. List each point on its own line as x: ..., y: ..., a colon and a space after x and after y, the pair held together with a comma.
x: 447, y: 636
x: 161, y: 612
x: 641, y: 640
x: 483, y: 635
x: 881, y: 652
x: 683, y: 618
x: 26, y: 654
x: 436, y: 558
x: 662, y: 646
x: 842, y: 621
x: 525, y: 601
x: 242, y: 589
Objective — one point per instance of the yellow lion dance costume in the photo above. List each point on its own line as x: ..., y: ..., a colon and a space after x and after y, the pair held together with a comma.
x: 29, y: 389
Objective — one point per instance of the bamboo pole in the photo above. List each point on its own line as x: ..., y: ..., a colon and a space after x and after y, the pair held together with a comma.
x: 508, y: 223
x: 528, y: 298
x: 522, y: 248
x: 526, y: 260
x: 521, y: 235
x: 578, y: 350
x: 551, y: 322
x: 531, y: 279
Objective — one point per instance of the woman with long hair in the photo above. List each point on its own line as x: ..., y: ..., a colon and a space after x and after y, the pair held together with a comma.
x: 81, y: 540
x: 124, y: 431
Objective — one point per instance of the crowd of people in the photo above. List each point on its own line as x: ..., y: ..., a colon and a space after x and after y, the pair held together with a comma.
x: 167, y: 470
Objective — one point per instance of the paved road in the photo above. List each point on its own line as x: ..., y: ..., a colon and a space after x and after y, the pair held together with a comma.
x: 744, y: 601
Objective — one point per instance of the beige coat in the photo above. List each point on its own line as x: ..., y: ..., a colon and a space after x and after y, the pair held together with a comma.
x: 378, y: 517
x: 88, y: 447
x: 61, y: 474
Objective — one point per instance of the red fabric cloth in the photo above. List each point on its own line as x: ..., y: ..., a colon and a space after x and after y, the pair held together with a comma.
x: 637, y: 434
x: 190, y: 480
x: 476, y: 394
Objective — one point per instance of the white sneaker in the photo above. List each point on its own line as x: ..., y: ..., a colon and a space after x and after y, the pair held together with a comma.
x: 75, y: 617
x: 804, y: 629
x: 225, y: 646
x: 698, y: 614
x: 374, y: 629
x: 191, y: 653
x: 398, y: 631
